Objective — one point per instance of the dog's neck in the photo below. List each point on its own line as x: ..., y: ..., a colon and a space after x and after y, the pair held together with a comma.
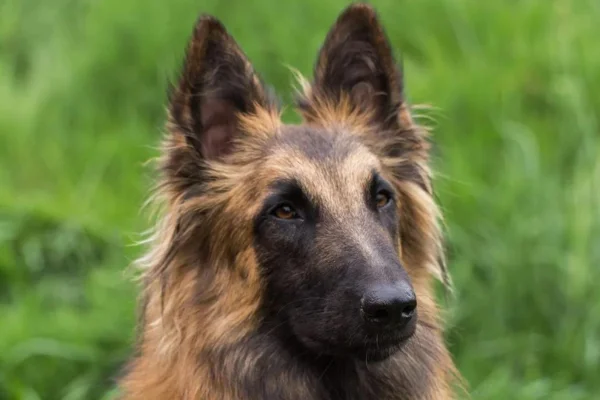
x: 260, y: 363
x: 259, y: 367
x: 262, y: 366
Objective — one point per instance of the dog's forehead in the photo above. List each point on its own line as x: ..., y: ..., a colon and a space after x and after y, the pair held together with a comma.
x: 318, y: 144
x: 323, y: 160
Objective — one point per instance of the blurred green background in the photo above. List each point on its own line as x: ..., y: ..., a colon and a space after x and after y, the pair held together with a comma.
x: 513, y: 87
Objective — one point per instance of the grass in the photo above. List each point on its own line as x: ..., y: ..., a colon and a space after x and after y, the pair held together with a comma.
x: 514, y: 85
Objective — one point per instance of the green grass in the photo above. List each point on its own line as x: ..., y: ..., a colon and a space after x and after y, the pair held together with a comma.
x: 514, y: 85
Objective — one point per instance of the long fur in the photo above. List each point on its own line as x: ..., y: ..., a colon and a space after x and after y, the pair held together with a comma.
x: 201, y: 333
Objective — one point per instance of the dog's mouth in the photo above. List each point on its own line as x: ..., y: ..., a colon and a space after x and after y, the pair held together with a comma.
x: 373, y: 351
x: 373, y: 348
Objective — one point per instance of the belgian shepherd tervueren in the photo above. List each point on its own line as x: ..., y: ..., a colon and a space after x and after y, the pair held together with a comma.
x: 293, y: 261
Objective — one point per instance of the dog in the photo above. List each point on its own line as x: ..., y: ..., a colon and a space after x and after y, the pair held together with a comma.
x: 293, y: 261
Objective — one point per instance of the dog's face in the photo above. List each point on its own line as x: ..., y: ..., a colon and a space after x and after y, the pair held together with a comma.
x: 327, y: 238
x: 332, y: 219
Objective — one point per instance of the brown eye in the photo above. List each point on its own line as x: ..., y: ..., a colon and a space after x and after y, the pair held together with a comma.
x: 382, y: 199
x: 285, y: 211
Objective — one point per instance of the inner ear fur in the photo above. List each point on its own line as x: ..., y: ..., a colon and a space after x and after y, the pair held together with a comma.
x: 216, y: 86
x: 356, y: 71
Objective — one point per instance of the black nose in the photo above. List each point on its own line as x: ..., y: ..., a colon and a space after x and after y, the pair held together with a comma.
x: 389, y: 305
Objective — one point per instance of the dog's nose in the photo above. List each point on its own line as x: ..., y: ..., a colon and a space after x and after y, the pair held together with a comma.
x: 390, y: 305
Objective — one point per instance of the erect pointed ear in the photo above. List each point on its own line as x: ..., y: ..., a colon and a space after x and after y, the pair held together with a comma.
x: 216, y: 86
x: 355, y: 65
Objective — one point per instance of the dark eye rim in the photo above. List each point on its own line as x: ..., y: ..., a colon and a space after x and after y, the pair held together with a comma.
x: 389, y: 198
x: 378, y: 186
x: 296, y: 215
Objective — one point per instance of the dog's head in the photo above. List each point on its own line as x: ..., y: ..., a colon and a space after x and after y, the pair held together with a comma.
x: 324, y: 233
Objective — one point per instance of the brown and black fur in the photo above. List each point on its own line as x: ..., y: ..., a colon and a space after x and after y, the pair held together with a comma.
x: 239, y: 304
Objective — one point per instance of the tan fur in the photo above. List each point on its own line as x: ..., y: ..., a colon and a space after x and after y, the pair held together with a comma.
x: 335, y: 114
x: 177, y: 331
x: 263, y: 122
x: 196, y: 304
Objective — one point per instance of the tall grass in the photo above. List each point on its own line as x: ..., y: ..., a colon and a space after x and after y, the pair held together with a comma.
x: 514, y: 85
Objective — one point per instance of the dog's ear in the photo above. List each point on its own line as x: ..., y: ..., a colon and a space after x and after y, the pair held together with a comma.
x: 356, y: 65
x: 217, y: 85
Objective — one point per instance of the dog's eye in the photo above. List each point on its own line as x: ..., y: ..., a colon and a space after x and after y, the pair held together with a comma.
x: 382, y: 199
x: 285, y: 211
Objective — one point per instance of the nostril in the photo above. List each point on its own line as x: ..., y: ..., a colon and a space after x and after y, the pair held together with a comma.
x: 389, y: 305
x: 374, y: 312
x: 409, y: 309
x: 380, y: 314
